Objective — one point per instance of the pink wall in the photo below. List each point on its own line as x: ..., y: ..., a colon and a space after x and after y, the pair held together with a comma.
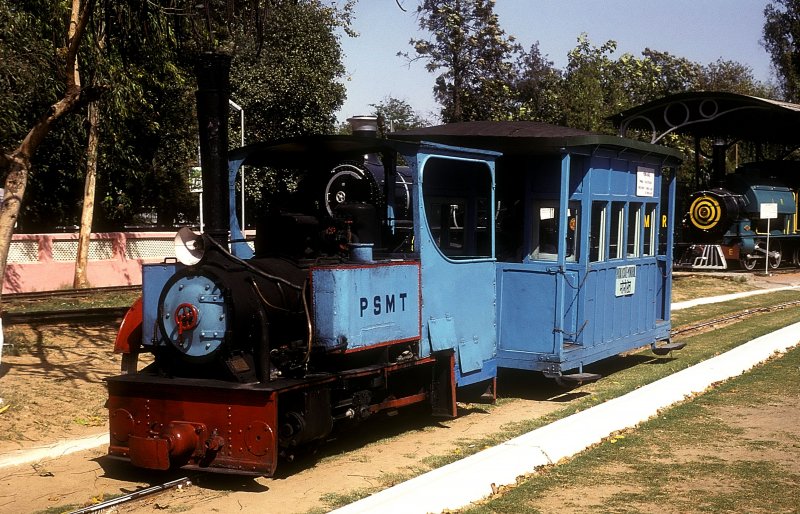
x: 46, y: 262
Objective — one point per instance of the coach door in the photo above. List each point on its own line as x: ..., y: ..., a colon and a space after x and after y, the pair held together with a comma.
x: 538, y: 287
x: 456, y: 244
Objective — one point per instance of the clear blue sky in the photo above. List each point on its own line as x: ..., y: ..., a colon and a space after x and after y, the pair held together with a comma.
x: 700, y: 30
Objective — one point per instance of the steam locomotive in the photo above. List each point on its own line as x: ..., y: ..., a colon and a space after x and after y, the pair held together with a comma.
x: 729, y: 223
x: 374, y: 286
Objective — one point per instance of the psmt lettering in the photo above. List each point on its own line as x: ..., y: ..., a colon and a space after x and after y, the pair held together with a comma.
x: 383, y: 304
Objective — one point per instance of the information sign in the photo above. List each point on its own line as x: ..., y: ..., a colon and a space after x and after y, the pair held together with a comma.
x: 195, y: 179
x: 769, y: 211
x: 626, y: 280
x: 645, y: 181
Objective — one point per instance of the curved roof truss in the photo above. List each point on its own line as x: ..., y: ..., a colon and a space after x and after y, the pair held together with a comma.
x: 714, y: 114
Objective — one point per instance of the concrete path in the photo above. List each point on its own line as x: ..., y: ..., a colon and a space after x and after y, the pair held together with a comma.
x: 53, y: 451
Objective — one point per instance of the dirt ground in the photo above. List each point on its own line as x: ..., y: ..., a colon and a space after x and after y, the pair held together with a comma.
x: 51, y: 383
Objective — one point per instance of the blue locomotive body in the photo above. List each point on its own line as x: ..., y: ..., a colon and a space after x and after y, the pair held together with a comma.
x: 375, y: 286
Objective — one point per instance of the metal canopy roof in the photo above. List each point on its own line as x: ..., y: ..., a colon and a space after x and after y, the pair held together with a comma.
x: 527, y: 137
x: 714, y: 115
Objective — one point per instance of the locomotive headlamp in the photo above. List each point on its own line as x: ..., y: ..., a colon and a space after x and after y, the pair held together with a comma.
x: 189, y: 247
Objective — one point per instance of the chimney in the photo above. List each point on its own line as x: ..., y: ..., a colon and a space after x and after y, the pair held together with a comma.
x: 364, y: 126
x: 213, y: 90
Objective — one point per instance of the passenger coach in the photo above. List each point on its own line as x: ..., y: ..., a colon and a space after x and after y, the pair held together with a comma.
x: 582, y: 244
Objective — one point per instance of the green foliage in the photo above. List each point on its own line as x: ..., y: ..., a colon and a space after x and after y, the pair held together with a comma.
x: 287, y: 62
x: 288, y: 82
x: 538, y: 88
x: 28, y: 64
x: 399, y: 113
x: 475, y: 57
x: 782, y: 41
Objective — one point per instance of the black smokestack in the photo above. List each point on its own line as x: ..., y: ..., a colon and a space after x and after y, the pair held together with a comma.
x: 213, y: 91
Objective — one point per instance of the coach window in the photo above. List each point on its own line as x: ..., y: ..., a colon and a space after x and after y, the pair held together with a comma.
x: 616, y: 234
x: 545, y: 231
x: 546, y: 218
x: 650, y: 220
x: 634, y: 229
x: 597, y: 248
x: 457, y: 198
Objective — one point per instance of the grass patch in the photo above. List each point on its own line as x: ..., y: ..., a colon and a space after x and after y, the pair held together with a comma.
x: 717, y: 310
x: 688, y: 459
x: 699, y: 285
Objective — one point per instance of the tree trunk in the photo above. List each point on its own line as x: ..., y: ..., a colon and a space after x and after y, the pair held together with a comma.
x: 80, y: 280
x: 20, y: 159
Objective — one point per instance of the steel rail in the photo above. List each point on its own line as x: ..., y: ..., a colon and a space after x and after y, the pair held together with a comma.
x: 136, y: 495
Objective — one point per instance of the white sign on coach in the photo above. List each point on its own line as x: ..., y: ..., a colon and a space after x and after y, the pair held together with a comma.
x: 645, y: 181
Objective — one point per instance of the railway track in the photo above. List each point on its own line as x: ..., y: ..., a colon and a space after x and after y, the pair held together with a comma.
x: 96, y: 305
x: 45, y: 317
x: 136, y: 495
x: 67, y: 293
x: 733, y: 317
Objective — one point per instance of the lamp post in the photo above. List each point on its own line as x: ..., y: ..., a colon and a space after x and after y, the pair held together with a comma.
x: 241, y: 170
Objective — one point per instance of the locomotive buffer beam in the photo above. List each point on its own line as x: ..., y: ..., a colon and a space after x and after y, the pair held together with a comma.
x: 664, y: 349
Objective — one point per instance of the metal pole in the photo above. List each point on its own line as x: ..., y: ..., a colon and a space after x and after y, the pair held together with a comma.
x: 766, y: 260
x: 241, y: 169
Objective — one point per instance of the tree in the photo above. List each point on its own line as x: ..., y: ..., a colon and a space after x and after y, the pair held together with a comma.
x: 289, y: 79
x: 398, y: 114
x: 782, y: 42
x: 537, y: 88
x: 74, y: 96
x: 734, y: 77
x: 147, y: 135
x: 588, y: 85
x: 475, y: 55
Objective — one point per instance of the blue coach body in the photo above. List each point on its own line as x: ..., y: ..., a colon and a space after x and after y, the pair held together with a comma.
x: 582, y: 249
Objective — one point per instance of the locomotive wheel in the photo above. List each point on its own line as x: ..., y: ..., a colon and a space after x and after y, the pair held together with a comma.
x: 796, y: 257
x: 775, y: 259
x: 748, y: 263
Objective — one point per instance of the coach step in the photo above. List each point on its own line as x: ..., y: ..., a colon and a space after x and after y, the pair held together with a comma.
x: 666, y: 348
